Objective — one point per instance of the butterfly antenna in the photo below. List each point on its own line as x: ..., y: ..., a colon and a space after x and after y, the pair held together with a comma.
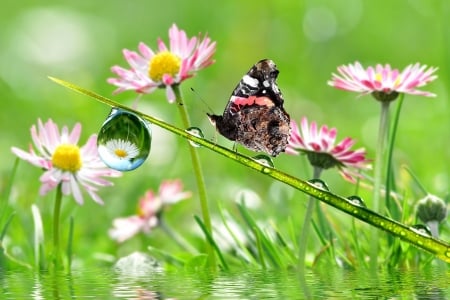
x: 201, y: 99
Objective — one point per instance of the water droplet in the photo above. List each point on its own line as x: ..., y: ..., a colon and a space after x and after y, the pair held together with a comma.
x: 356, y: 200
x: 266, y: 170
x: 319, y: 183
x: 421, y: 229
x: 195, y: 131
x: 265, y: 160
x: 124, y: 140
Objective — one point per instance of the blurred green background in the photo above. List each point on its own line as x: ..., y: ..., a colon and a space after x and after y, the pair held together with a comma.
x: 79, y: 41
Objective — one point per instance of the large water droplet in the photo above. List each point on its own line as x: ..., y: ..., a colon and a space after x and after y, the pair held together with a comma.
x: 356, y: 200
x: 124, y: 140
x: 320, y: 184
x: 264, y: 159
x: 195, y: 131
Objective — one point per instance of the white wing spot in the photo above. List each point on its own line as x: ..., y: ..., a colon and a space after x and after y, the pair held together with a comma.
x: 253, y: 82
x: 266, y: 83
x: 275, y: 88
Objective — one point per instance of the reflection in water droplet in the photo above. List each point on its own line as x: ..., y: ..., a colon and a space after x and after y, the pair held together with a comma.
x: 124, y: 140
x: 320, y: 184
x: 421, y: 229
x: 264, y: 159
x: 356, y: 200
x: 195, y: 131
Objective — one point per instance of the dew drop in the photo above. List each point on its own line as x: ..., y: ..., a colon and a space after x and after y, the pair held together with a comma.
x: 421, y: 229
x: 266, y: 170
x: 319, y: 183
x: 265, y: 160
x: 124, y: 140
x: 195, y: 131
x: 356, y: 200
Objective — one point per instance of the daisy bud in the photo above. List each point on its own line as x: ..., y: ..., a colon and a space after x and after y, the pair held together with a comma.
x: 432, y: 210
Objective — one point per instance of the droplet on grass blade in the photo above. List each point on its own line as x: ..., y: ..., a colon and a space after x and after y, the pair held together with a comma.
x: 264, y: 159
x: 356, y: 200
x: 320, y: 184
x: 421, y: 229
x: 195, y: 131
x: 124, y: 140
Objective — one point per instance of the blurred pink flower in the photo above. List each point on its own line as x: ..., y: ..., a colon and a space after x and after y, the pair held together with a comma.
x: 65, y: 163
x: 166, y: 67
x: 383, y: 82
x: 150, y: 208
x: 320, y: 148
x: 125, y: 228
x: 171, y: 192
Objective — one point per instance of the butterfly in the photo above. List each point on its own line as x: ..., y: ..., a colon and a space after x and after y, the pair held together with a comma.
x: 254, y: 116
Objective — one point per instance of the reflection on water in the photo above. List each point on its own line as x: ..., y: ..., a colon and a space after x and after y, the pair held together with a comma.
x: 274, y: 284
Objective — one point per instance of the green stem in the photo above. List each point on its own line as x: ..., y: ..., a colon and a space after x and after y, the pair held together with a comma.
x: 391, y: 208
x: 69, y: 245
x: 439, y: 248
x: 378, y: 205
x: 56, y: 221
x: 306, y: 226
x: 198, y: 176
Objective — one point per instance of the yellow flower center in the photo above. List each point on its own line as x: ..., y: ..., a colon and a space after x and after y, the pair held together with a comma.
x: 163, y: 63
x: 378, y: 77
x: 397, y: 81
x: 121, y: 153
x: 67, y: 158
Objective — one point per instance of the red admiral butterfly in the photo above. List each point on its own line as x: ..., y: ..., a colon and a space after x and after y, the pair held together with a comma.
x: 254, y: 115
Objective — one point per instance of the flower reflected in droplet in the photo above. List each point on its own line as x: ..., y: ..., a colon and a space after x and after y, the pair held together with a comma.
x: 166, y: 67
x: 124, y: 140
x: 122, y: 149
x: 320, y: 147
x: 65, y: 162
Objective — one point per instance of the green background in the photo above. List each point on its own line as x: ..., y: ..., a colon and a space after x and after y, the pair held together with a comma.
x: 79, y: 41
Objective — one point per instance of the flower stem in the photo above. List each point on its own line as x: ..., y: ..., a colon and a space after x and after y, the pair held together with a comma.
x: 198, y: 176
x: 390, y: 205
x: 306, y: 226
x: 379, y: 206
x: 56, y: 220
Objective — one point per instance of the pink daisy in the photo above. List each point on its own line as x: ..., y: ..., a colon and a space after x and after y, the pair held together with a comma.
x: 150, y: 208
x: 165, y: 67
x: 321, y: 150
x: 383, y: 82
x: 65, y: 162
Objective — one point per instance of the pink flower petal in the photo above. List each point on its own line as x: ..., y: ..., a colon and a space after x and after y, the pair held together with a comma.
x: 323, y: 141
x: 383, y: 79
x: 194, y: 54
x: 47, y: 139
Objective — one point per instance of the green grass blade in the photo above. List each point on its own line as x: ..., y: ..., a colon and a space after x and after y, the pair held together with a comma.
x: 212, y: 242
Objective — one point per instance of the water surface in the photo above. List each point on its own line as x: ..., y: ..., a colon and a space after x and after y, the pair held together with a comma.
x: 105, y: 283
